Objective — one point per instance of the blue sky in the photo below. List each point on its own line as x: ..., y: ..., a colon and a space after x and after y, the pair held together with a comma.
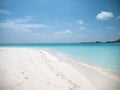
x: 41, y: 21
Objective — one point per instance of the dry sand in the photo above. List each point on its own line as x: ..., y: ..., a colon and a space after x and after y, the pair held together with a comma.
x: 38, y: 69
x: 30, y: 69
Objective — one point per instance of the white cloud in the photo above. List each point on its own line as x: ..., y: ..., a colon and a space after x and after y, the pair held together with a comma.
x: 110, y: 27
x: 20, y: 25
x: 103, y: 15
x: 21, y: 20
x: 81, y: 35
x: 82, y: 28
x: 118, y: 17
x: 81, y: 22
x: 65, y: 33
x: 2, y: 11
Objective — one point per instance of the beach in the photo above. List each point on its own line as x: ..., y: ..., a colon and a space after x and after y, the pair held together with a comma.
x: 41, y: 69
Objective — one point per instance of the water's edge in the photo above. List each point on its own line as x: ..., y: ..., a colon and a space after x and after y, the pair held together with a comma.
x: 74, y: 62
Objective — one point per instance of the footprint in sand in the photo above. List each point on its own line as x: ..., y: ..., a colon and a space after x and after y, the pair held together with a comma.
x: 26, y: 77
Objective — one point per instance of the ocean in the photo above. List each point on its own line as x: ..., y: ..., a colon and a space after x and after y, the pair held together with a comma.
x: 104, y: 55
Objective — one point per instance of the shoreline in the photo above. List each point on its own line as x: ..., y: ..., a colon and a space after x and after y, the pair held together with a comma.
x: 108, y: 72
x: 104, y: 75
x: 63, y: 72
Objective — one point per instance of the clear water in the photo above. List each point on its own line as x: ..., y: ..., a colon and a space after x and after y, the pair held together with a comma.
x: 102, y: 55
x: 106, y: 56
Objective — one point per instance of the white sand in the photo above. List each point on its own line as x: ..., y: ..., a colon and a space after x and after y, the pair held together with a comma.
x: 30, y: 69
x: 101, y: 78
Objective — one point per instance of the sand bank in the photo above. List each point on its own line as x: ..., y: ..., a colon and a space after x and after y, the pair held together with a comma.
x: 39, y: 69
x: 30, y: 69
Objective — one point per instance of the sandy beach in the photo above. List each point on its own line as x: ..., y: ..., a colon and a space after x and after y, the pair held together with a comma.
x: 39, y: 69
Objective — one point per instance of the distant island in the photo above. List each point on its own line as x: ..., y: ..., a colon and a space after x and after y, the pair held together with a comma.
x: 116, y: 41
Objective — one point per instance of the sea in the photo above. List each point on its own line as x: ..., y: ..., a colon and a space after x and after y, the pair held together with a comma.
x: 104, y: 55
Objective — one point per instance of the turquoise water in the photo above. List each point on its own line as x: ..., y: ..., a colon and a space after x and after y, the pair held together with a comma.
x: 106, y: 56
x: 102, y: 55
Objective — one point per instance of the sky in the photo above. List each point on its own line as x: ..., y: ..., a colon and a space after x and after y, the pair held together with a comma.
x: 59, y: 21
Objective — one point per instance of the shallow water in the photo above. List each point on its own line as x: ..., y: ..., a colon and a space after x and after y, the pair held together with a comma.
x: 101, y: 54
